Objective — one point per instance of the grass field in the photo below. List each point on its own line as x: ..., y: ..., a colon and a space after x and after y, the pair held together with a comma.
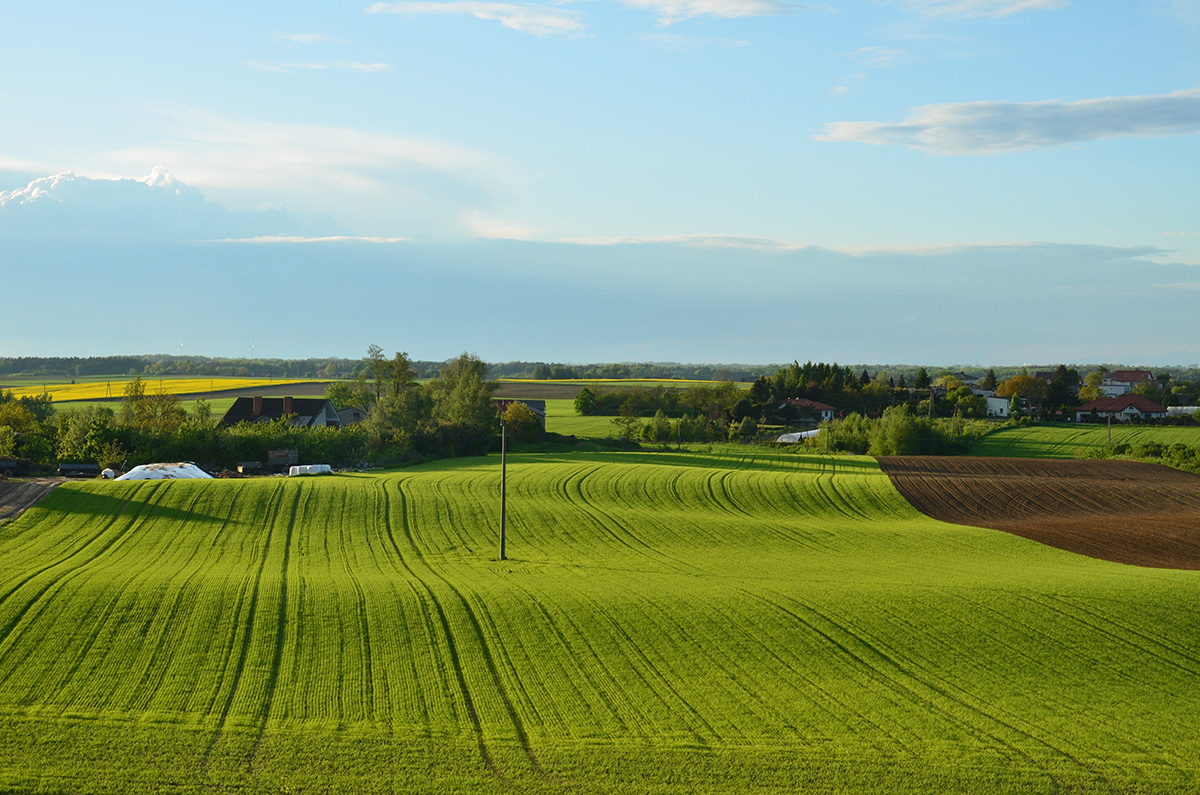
x: 1062, y: 441
x: 733, y: 622
x: 561, y: 418
x: 218, y: 406
x: 115, y: 388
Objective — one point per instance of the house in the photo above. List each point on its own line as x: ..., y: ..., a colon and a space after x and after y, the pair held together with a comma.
x: 538, y: 407
x: 304, y: 412
x: 811, y: 407
x: 1124, y: 408
x: 998, y: 406
x: 965, y: 379
x: 1122, y: 382
x: 352, y: 415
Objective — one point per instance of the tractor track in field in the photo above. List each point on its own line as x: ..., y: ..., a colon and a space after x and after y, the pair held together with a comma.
x: 431, y: 599
x: 280, y: 630
x: 489, y: 658
x: 1122, y: 511
x: 76, y: 568
x: 246, y: 636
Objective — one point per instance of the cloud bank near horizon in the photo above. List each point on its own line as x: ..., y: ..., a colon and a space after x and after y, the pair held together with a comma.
x: 572, y: 302
x: 986, y: 128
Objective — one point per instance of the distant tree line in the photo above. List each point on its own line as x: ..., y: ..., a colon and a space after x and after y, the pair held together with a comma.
x: 451, y: 414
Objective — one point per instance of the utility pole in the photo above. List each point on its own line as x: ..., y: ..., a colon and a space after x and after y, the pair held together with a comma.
x: 503, y: 484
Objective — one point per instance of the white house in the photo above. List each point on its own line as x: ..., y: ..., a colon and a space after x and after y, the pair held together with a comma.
x: 1122, y: 382
x: 1124, y: 408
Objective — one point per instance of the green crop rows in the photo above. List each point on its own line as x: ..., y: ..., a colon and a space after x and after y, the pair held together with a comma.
x: 719, y: 623
x: 1064, y: 441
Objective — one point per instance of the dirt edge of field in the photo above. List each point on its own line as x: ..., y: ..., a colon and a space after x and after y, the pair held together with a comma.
x: 1121, y: 511
x: 18, y: 496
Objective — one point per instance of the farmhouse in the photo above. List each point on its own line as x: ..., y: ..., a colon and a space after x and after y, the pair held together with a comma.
x: 1125, y: 408
x: 807, y: 406
x: 998, y: 406
x: 304, y: 412
x: 1122, y: 382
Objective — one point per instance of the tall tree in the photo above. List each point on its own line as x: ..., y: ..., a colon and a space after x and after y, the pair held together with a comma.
x: 462, y: 395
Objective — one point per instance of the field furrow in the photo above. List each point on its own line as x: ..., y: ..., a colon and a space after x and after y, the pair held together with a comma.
x: 741, y: 621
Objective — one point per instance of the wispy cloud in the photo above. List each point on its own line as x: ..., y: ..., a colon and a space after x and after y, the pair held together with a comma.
x: 326, y: 239
x: 683, y: 42
x: 966, y: 9
x: 878, y: 57
x: 670, y: 11
x: 974, y: 128
x: 310, y: 38
x: 333, y: 66
x: 211, y: 150
x: 538, y: 20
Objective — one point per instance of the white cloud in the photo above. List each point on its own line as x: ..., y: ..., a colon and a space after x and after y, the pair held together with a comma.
x: 675, y: 10
x: 310, y: 38
x: 538, y: 20
x: 336, y: 66
x: 878, y: 57
x: 965, y: 9
x: 994, y: 127
x: 209, y: 150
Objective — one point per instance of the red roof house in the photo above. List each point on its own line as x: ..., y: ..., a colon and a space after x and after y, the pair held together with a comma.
x: 812, y: 407
x: 1123, y: 408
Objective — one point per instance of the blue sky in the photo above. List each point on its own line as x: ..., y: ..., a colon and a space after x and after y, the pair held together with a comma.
x: 910, y: 129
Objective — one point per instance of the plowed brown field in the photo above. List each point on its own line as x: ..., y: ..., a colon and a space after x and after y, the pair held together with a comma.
x: 1124, y: 511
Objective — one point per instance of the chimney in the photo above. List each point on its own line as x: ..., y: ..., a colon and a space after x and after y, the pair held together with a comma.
x: 257, y: 405
x: 287, y: 405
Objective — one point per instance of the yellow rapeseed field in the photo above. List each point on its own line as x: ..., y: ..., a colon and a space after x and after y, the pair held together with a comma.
x: 97, y: 390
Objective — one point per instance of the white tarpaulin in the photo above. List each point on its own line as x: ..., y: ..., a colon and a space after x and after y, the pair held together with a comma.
x: 792, y: 438
x: 184, y: 470
x: 310, y: 469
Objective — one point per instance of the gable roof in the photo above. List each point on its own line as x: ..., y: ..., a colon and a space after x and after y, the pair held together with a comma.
x: 1129, y: 399
x: 305, y: 411
x: 1130, y: 376
x: 805, y: 403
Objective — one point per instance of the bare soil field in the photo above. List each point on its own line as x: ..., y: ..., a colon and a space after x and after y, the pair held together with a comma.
x: 1123, y: 511
x: 16, y: 496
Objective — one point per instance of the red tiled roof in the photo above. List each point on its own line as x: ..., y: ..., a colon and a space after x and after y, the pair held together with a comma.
x: 809, y: 404
x: 1132, y: 376
x: 1140, y: 402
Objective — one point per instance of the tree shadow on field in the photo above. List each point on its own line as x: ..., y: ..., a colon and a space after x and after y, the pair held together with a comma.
x: 128, y: 500
x: 754, y: 459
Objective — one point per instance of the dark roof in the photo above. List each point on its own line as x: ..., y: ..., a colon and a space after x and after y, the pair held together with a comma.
x: 1130, y: 376
x: 1139, y: 402
x: 304, y: 410
x: 805, y: 403
x: 538, y: 407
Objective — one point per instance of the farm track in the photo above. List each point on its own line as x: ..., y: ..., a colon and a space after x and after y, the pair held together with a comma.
x: 17, y: 496
x: 1122, y: 511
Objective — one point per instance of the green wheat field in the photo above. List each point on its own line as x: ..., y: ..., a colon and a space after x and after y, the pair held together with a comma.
x: 720, y: 622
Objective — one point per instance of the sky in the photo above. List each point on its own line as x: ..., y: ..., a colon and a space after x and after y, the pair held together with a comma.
x: 704, y: 180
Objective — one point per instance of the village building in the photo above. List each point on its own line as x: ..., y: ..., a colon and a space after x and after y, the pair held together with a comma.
x: 304, y: 412
x: 823, y: 411
x: 1124, y: 408
x: 1122, y: 382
